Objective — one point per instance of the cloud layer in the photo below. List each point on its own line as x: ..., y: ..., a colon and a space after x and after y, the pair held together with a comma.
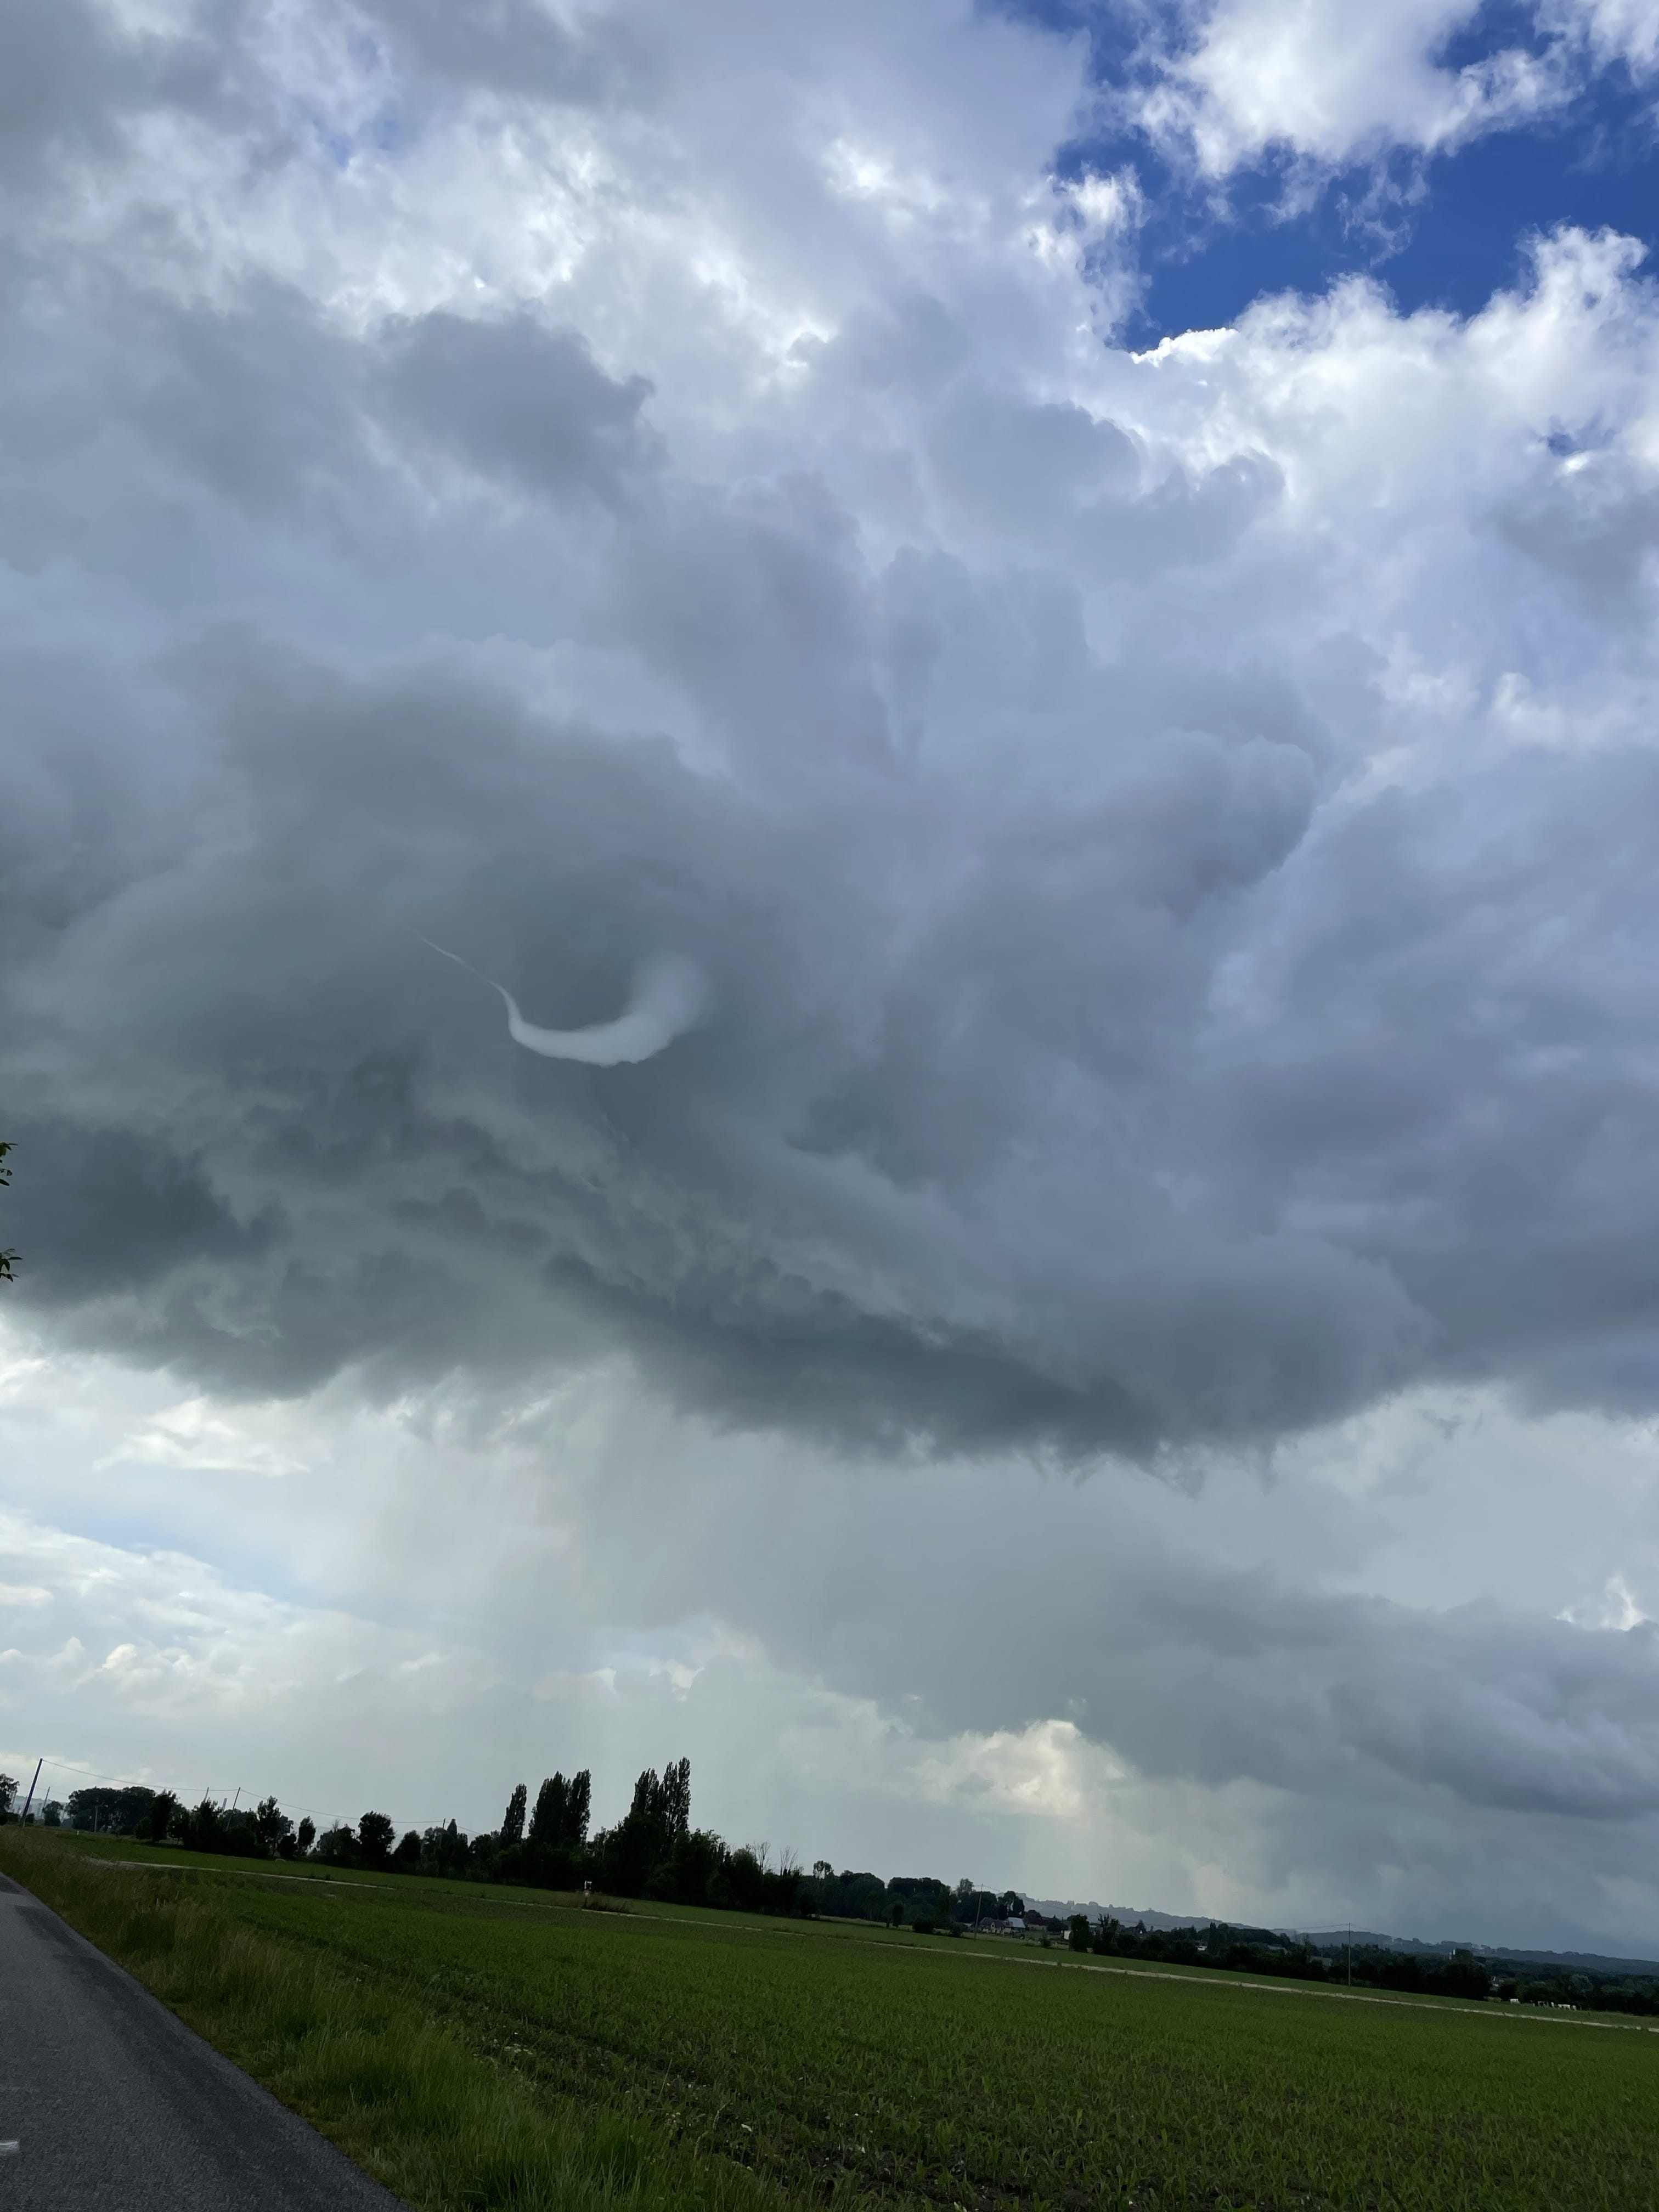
x: 1242, y: 1714
x: 1167, y: 837
x: 1164, y: 881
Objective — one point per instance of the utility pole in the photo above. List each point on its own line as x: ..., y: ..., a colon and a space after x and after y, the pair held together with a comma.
x: 1350, y: 1954
x: 29, y: 1800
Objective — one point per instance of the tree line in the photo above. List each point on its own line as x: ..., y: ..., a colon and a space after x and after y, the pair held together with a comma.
x: 654, y: 1851
x: 1463, y: 1973
x: 1266, y: 1952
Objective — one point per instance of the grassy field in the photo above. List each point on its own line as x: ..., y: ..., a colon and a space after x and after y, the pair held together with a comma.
x: 487, y: 2047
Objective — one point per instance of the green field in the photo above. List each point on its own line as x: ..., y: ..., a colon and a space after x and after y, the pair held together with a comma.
x: 482, y: 2047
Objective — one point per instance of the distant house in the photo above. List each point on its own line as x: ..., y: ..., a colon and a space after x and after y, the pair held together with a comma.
x: 1015, y: 1927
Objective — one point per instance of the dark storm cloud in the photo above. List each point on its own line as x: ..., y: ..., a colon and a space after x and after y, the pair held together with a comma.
x: 1094, y: 1058
x: 825, y: 1206
x: 144, y: 429
x: 255, y: 400
x: 965, y: 1154
x: 781, y: 1208
x: 517, y: 47
x: 108, y: 1209
x: 519, y: 403
x: 1198, y: 1670
x: 1251, y: 1678
x: 61, y: 69
x: 71, y: 79
x: 76, y: 77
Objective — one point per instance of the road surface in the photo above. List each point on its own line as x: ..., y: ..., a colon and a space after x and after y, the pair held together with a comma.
x: 108, y: 2103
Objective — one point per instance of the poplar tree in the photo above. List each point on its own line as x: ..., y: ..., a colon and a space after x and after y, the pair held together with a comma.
x: 547, y: 1822
x: 579, y: 1801
x: 677, y: 1800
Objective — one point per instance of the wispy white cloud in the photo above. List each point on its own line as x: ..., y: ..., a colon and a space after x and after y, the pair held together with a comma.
x: 1226, y: 84
x: 1332, y: 86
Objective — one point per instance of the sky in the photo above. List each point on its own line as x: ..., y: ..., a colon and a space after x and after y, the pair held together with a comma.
x: 1023, y: 637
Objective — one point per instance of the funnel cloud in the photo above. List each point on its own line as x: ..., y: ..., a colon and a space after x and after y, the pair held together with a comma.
x: 670, y: 992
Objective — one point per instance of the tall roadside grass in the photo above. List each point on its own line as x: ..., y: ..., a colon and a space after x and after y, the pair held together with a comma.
x: 439, y: 2124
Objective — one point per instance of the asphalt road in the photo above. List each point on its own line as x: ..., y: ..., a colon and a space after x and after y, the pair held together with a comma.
x: 107, y: 2101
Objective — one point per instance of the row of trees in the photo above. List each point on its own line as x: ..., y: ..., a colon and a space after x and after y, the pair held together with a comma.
x: 1266, y: 1952
x: 918, y: 1901
x: 1462, y: 1973
x: 654, y: 1851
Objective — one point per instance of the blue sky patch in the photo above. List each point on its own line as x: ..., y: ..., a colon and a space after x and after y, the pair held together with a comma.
x: 1445, y: 230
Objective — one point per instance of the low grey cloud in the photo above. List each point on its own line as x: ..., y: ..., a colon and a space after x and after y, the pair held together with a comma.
x: 522, y: 404
x: 1104, y: 1084
x: 110, y: 1210
x: 1195, y: 1668
x: 518, y: 47
x: 74, y: 79
x: 252, y: 979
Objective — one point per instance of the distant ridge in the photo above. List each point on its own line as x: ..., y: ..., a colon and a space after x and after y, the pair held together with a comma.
x: 1130, y: 1915
x: 1332, y: 1939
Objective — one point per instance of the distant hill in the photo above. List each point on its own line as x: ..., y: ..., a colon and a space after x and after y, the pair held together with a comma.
x: 1585, y: 1962
x: 1333, y: 1939
x: 1130, y: 1915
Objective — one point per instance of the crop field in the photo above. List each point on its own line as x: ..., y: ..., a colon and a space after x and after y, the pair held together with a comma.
x: 486, y: 2047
